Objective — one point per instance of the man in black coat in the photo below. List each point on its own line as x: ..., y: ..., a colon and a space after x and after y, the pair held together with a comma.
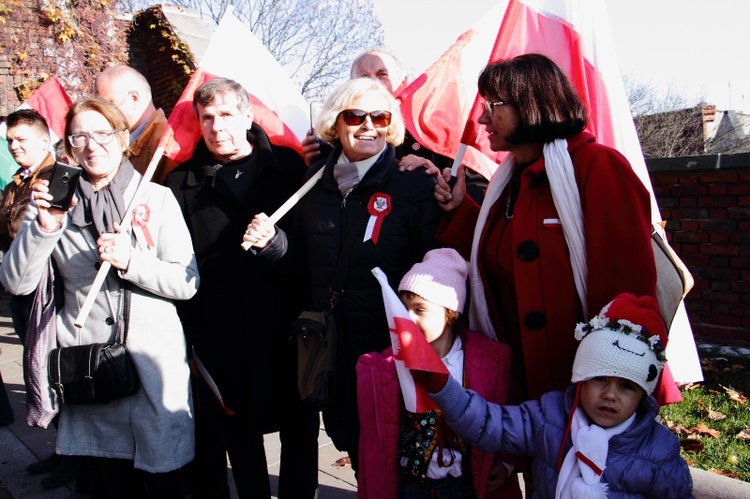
x: 242, y: 337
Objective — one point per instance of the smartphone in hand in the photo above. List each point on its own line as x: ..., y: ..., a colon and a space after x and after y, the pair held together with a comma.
x: 63, y: 184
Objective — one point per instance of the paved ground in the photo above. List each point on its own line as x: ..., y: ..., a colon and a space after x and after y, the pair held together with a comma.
x: 21, y: 445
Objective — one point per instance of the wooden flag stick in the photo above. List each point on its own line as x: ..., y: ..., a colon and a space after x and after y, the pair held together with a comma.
x: 125, y: 223
x: 289, y: 203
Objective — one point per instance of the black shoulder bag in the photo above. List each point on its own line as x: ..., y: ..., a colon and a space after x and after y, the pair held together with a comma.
x: 315, y: 334
x: 97, y: 373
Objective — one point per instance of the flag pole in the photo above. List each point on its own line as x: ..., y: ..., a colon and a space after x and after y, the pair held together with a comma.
x: 459, y: 159
x: 289, y: 203
x: 125, y: 223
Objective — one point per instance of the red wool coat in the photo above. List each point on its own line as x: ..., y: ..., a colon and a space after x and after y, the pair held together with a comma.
x: 617, y: 213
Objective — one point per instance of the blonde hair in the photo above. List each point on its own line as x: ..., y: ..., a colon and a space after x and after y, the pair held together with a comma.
x: 348, y: 92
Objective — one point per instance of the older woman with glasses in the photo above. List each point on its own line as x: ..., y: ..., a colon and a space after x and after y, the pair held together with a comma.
x: 389, y: 216
x: 136, y: 444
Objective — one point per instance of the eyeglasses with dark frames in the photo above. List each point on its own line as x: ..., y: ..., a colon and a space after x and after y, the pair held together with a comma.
x: 490, y: 106
x: 101, y: 137
x: 355, y: 117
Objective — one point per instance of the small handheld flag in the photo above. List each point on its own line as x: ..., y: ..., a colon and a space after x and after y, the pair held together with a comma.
x: 410, y: 349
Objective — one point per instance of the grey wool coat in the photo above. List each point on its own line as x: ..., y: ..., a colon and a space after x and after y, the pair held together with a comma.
x: 155, y: 427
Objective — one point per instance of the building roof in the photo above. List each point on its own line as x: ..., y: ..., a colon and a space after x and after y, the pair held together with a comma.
x: 192, y: 30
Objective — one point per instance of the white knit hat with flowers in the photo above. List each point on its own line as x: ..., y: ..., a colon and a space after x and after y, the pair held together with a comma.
x: 439, y: 278
x: 625, y: 340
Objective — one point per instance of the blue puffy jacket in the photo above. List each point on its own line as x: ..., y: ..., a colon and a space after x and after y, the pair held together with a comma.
x: 643, y: 461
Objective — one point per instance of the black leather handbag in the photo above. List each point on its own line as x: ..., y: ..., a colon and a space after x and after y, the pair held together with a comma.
x: 98, y: 373
x: 315, y: 334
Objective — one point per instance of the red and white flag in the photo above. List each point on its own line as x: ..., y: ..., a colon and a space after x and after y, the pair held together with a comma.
x: 436, y: 104
x: 576, y: 35
x: 278, y: 106
x: 410, y: 349
x: 52, y: 102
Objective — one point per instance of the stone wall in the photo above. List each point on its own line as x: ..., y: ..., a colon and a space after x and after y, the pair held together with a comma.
x: 706, y: 203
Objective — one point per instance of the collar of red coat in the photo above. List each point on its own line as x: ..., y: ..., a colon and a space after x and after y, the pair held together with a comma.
x: 574, y: 143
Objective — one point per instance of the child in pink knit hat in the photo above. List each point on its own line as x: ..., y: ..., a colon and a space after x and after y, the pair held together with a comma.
x: 404, y: 454
x: 602, y: 435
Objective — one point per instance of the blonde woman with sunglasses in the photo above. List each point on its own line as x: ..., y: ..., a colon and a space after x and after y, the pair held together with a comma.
x: 390, y: 215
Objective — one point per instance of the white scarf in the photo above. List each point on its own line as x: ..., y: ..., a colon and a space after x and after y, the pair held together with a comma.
x: 579, y: 477
x: 567, y: 202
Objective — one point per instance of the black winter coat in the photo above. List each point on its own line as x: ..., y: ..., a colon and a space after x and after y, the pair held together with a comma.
x: 239, y: 319
x: 406, y: 234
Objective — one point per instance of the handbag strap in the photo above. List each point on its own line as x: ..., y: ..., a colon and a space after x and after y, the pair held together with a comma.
x: 347, y: 244
x: 123, y: 322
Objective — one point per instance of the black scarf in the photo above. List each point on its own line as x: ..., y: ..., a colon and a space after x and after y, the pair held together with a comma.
x: 106, y: 206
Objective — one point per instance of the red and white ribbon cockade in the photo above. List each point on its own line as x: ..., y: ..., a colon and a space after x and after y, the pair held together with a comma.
x: 141, y: 214
x: 379, y: 206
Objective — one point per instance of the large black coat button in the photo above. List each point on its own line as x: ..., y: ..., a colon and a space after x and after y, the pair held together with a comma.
x: 528, y: 251
x: 535, y: 320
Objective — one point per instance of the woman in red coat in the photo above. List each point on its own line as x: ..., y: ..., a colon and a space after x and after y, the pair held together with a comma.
x: 564, y: 228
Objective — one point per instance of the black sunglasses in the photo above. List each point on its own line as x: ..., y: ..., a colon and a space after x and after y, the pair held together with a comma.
x: 355, y: 117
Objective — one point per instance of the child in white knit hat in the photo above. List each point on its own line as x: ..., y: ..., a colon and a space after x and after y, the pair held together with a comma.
x: 403, y: 454
x: 602, y: 436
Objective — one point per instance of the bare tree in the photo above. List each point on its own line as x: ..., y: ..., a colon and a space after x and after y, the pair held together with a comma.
x: 667, y: 125
x: 671, y: 133
x: 314, y: 40
x: 670, y: 124
x: 640, y: 95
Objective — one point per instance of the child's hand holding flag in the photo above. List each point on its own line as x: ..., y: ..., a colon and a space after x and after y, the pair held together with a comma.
x: 411, y: 352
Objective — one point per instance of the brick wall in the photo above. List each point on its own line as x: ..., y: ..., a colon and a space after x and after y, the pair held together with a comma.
x: 148, y: 50
x: 34, y: 42
x: 706, y: 203
x: 7, y: 94
x: 152, y: 54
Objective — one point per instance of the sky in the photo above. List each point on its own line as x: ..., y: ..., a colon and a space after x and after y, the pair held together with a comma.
x: 698, y: 49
